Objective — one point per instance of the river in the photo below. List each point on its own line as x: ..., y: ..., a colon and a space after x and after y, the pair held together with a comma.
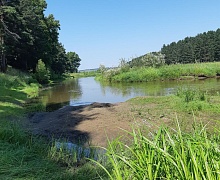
x: 87, y: 90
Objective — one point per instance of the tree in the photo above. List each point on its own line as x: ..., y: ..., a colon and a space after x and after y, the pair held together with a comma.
x: 27, y: 35
x: 38, y: 34
x: 59, y: 62
x: 5, y: 10
x: 201, y: 48
x: 73, y: 62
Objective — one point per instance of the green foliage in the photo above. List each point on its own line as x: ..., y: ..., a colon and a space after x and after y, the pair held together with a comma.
x: 201, y: 48
x: 102, y: 69
x: 189, y: 94
x: 59, y: 63
x: 171, y: 72
x: 166, y: 155
x: 15, y: 88
x: 22, y: 155
x: 30, y: 36
x: 123, y: 65
x: 25, y: 157
x: 196, y: 100
x: 154, y: 59
x: 85, y: 74
x: 73, y: 62
x: 42, y: 73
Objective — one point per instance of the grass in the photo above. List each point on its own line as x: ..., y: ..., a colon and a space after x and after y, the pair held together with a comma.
x: 162, y: 147
x: 177, y: 71
x: 155, y: 111
x: 185, y: 150
x: 167, y: 154
x: 15, y: 88
x: 24, y: 156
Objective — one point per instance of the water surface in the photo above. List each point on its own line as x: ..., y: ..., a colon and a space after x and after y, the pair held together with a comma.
x: 87, y: 90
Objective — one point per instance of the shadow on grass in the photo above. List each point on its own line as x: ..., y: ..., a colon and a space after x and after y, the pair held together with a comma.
x: 9, y: 95
x: 11, y: 102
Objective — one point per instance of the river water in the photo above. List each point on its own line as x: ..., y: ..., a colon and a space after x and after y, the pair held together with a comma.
x: 87, y: 90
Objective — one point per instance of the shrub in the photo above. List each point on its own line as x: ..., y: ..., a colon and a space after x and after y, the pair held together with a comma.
x: 123, y: 65
x: 154, y: 59
x: 102, y: 69
x: 42, y: 73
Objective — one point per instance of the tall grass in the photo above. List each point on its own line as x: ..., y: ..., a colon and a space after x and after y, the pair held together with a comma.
x: 168, y: 154
x: 189, y: 99
x: 189, y: 94
x: 25, y: 156
x: 16, y: 79
x: 177, y: 71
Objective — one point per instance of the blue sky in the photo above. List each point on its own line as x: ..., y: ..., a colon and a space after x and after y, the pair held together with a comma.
x: 104, y: 31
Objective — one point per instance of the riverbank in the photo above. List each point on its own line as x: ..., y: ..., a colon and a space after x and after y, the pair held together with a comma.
x: 92, y: 124
x: 23, y: 155
x: 160, y: 134
x: 27, y: 154
x: 166, y: 72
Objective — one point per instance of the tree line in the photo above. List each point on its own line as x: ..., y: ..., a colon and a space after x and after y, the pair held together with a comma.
x: 204, y: 47
x: 27, y: 35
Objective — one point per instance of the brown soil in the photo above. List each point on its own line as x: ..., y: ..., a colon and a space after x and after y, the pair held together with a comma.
x: 90, y: 123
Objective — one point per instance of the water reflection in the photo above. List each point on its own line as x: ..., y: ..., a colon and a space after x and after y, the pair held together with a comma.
x: 61, y: 94
x: 87, y: 90
x: 147, y: 89
x: 159, y: 88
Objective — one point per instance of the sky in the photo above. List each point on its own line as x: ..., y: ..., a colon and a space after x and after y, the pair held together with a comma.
x: 105, y: 31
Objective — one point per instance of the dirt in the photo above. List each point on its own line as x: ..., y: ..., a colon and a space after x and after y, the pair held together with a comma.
x: 92, y: 124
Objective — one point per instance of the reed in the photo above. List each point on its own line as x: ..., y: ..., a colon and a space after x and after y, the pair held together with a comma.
x: 167, y: 154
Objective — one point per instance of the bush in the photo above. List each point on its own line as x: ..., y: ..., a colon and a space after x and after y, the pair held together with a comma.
x: 124, y: 66
x: 154, y: 59
x: 42, y: 73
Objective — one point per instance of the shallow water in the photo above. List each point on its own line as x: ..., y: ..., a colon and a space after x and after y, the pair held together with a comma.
x: 87, y: 90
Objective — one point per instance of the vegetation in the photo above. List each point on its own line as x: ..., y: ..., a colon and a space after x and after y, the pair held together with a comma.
x: 27, y: 35
x: 154, y: 59
x: 162, y: 147
x: 29, y: 41
x: 42, y: 73
x: 166, y: 72
x: 85, y: 74
x: 166, y: 155
x: 200, y: 54
x: 24, y: 156
x: 204, y: 47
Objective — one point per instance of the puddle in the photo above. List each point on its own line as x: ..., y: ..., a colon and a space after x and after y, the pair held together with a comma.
x: 80, y: 103
x: 80, y: 151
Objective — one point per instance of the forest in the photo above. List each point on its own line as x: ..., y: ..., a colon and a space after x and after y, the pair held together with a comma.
x: 205, y: 47
x: 27, y: 36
